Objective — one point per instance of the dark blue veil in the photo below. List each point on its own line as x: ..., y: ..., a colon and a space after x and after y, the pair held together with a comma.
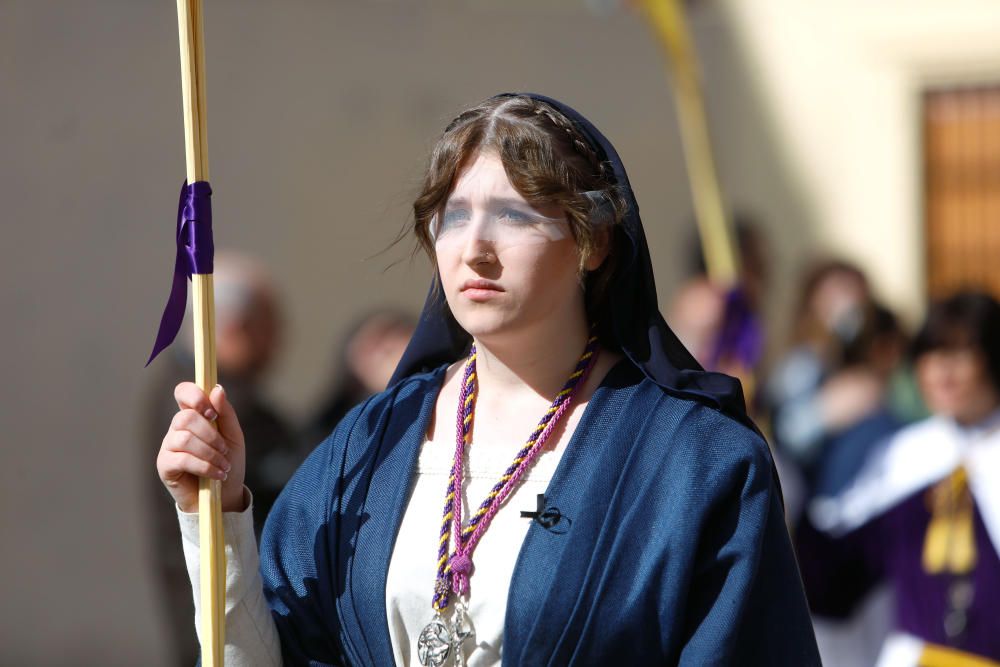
x: 632, y: 319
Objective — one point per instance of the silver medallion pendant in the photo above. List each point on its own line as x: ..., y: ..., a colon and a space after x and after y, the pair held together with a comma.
x: 438, y: 639
x: 434, y: 643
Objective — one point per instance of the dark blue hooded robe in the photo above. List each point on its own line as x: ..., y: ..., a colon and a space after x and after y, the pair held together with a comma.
x: 672, y: 547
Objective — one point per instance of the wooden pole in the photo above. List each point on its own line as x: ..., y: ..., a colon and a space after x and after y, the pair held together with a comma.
x: 667, y: 20
x: 213, y: 563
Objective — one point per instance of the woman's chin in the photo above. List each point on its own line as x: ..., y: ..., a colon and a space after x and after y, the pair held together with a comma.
x: 484, y: 324
x: 485, y: 333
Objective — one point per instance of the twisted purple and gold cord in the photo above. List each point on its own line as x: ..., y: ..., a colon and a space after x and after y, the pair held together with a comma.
x: 453, y: 573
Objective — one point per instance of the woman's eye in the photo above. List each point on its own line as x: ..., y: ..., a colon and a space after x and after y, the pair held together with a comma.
x: 515, y: 216
x: 453, y: 218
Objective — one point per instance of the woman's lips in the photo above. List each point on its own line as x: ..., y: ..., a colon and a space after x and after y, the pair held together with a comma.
x: 480, y: 290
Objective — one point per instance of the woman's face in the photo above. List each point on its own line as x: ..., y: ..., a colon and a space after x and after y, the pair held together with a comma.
x: 956, y: 384
x: 838, y: 302
x: 505, y: 266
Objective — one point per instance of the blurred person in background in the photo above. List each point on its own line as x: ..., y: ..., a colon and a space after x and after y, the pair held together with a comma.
x: 368, y: 357
x: 695, y: 314
x: 923, y: 515
x: 248, y: 339
x: 875, y: 360
x: 752, y: 248
x: 698, y: 310
x: 833, y: 308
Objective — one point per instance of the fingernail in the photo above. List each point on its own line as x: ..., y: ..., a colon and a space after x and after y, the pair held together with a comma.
x: 225, y: 477
x: 228, y: 466
x: 211, y: 415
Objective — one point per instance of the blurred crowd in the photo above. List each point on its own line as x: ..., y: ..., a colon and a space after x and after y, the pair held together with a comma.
x: 887, y: 443
x: 877, y: 432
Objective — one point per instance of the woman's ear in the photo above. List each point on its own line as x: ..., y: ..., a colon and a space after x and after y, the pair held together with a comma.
x: 602, y: 246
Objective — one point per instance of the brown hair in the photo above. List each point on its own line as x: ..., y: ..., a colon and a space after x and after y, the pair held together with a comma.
x: 548, y: 161
x: 966, y: 319
x: 806, y: 327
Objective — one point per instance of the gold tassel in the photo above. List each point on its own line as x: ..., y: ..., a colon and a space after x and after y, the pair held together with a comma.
x: 949, y: 544
x: 934, y: 655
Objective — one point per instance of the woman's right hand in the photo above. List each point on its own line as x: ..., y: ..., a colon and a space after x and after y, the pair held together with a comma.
x: 193, y: 447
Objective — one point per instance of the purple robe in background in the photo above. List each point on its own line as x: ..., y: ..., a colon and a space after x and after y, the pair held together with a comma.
x: 874, y: 533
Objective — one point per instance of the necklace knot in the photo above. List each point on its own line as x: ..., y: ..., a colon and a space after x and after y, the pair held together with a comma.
x: 461, y: 565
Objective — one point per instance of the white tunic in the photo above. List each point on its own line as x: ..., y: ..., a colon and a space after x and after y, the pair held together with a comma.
x: 251, y: 637
x: 413, y: 568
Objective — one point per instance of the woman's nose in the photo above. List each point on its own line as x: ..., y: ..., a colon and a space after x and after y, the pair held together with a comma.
x: 479, y: 248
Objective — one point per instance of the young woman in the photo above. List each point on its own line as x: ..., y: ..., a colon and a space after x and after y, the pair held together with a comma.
x: 924, y: 514
x: 550, y: 478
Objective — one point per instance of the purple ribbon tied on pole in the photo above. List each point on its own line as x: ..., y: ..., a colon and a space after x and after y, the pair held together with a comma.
x: 195, y: 251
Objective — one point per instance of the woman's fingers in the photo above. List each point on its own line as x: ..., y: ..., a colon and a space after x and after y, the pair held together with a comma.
x: 177, y: 463
x: 183, y: 442
x: 189, y: 421
x: 217, y: 408
x: 204, y: 440
x: 190, y: 396
x: 228, y: 423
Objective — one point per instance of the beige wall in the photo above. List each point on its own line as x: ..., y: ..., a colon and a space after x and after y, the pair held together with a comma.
x: 842, y: 80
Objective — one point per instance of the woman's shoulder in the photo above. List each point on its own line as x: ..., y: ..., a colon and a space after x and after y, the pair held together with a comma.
x: 408, y: 392
x: 682, y: 426
x: 416, y: 387
x: 404, y: 400
x: 397, y: 408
